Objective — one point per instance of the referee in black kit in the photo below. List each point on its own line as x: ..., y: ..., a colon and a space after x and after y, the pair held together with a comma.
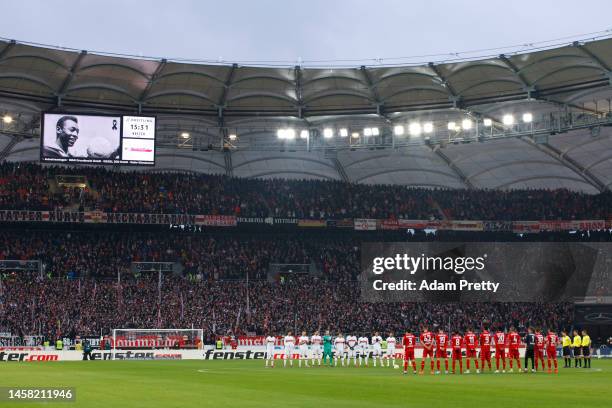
x: 529, y: 343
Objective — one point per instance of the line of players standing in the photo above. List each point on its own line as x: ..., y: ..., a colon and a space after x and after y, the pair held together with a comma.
x: 321, y: 350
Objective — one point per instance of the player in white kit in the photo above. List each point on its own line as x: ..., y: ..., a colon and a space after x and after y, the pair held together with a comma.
x: 363, y: 344
x: 289, y: 342
x: 339, y: 345
x: 303, y: 341
x: 351, y: 350
x: 377, y: 348
x: 317, y: 348
x: 391, y: 343
x: 270, y: 342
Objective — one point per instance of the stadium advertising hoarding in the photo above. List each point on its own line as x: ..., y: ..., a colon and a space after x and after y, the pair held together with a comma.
x: 484, y: 271
x: 95, y: 217
x: 343, y: 223
x: 356, y: 224
x: 98, y: 139
x: 397, y: 224
x: 365, y: 224
x: 19, y: 355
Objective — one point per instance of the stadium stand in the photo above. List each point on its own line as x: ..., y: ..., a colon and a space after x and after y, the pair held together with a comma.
x: 54, y: 308
x: 545, y: 179
x: 79, y: 292
x: 27, y: 187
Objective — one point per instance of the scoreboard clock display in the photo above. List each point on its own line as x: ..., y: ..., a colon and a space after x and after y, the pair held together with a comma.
x: 98, y: 139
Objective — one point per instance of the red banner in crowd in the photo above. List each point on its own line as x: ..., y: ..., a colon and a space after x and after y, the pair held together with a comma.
x: 414, y: 224
x: 388, y: 225
x: 525, y: 226
x: 572, y: 225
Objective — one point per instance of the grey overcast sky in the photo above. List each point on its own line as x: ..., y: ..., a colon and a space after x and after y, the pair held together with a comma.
x: 258, y: 30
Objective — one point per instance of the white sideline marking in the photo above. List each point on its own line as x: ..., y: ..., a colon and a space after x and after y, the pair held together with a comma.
x: 217, y: 370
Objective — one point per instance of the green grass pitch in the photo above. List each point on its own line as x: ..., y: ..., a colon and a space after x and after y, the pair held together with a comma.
x: 151, y: 384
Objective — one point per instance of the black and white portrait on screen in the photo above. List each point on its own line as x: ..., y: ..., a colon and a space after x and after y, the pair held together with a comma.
x: 81, y: 136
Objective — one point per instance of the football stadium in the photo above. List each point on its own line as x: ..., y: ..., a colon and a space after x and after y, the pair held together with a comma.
x: 427, y: 231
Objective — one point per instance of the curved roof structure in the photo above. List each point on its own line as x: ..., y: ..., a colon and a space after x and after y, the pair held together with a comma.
x: 161, y: 86
x: 560, y: 86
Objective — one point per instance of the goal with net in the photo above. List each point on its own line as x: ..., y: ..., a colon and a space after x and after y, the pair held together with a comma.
x: 157, y: 339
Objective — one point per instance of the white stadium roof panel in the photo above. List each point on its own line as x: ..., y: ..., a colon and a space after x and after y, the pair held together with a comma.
x: 185, y: 160
x: 293, y: 165
x: 417, y: 166
x: 4, y: 141
x: 593, y: 153
x: 27, y: 150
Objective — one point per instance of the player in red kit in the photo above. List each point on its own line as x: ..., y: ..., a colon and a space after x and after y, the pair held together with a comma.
x: 441, y: 346
x: 552, y: 340
x: 427, y: 341
x: 409, y: 342
x: 540, y: 344
x: 500, y: 349
x: 514, y: 342
x: 456, y: 343
x: 485, y: 348
x: 471, y: 342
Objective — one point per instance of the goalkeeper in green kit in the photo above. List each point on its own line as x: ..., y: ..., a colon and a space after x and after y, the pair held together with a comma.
x: 327, y: 347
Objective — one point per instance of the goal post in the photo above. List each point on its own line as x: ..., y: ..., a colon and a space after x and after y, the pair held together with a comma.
x: 156, y: 339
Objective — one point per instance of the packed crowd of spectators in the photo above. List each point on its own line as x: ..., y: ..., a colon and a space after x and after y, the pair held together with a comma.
x: 80, y: 292
x: 216, y: 256
x: 54, y: 307
x: 87, y: 284
x: 204, y: 256
x: 26, y: 186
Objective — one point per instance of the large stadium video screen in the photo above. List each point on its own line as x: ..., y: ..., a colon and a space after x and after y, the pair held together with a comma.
x: 98, y: 139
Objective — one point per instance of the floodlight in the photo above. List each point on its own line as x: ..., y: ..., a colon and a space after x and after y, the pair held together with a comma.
x: 508, y: 120
x: 414, y: 128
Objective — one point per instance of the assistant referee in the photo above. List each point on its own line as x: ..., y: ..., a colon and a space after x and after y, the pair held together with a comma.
x: 567, y: 354
x: 577, y: 349
x: 586, y: 349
